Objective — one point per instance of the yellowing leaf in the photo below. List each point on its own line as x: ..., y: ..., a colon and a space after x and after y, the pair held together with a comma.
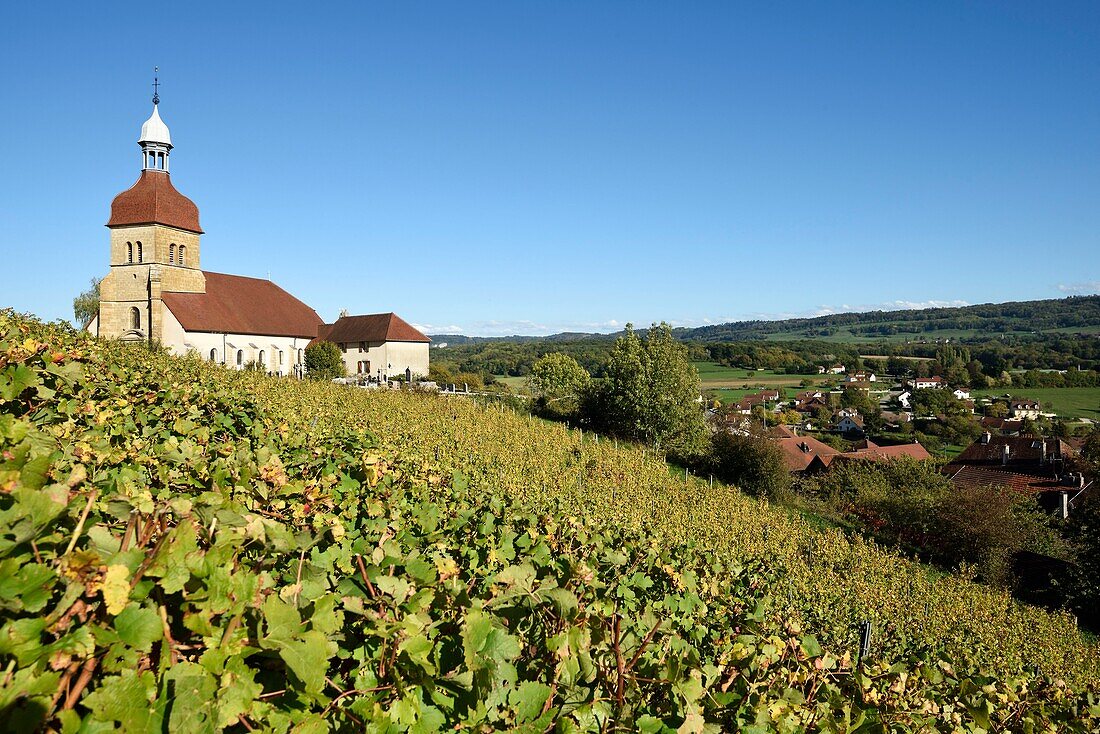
x: 116, y: 588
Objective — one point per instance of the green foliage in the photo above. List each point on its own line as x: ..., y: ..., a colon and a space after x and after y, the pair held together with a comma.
x: 911, y: 503
x: 86, y: 305
x: 558, y: 382
x: 444, y: 377
x: 324, y: 361
x: 650, y: 394
x: 185, y: 548
x: 1083, y: 533
x: 752, y: 462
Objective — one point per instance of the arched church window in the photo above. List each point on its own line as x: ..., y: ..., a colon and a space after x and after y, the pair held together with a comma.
x: 135, y: 318
x: 171, y: 254
x: 129, y: 252
x: 280, y: 357
x: 181, y: 260
x: 299, y: 356
x: 139, y: 251
x: 240, y: 357
x: 213, y: 355
x: 263, y: 358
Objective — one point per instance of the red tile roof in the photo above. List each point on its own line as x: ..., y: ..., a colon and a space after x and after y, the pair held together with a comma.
x: 799, y: 451
x: 1022, y: 451
x: 885, y: 453
x: 153, y: 200
x: 983, y: 476
x: 234, y: 304
x: 1002, y: 424
x: 376, y: 327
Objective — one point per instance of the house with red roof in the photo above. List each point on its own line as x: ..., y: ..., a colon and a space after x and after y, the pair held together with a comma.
x: 1044, y: 467
x: 378, y: 345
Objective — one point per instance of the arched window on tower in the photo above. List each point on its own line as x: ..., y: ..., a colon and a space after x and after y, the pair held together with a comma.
x: 181, y: 259
x: 129, y: 252
x: 139, y: 251
x: 240, y: 358
x: 263, y: 359
x: 213, y: 355
x: 171, y: 254
x: 135, y: 318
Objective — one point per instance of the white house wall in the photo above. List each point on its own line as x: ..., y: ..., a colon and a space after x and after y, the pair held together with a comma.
x: 392, y: 358
x: 181, y: 341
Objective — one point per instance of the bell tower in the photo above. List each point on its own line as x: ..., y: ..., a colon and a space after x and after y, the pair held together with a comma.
x: 154, y: 243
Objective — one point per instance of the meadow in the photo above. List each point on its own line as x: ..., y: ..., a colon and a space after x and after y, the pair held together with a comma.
x: 714, y: 375
x: 1069, y: 402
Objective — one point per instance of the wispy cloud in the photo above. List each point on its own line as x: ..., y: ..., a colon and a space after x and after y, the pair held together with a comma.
x: 1079, y: 289
x: 523, y: 327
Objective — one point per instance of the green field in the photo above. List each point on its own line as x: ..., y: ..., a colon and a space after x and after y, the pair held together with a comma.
x: 1070, y: 402
x: 727, y: 395
x: 714, y: 375
x: 516, y: 383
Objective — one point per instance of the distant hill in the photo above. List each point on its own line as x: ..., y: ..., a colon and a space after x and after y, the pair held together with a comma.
x: 1076, y: 314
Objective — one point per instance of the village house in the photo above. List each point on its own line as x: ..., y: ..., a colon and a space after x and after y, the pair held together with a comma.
x: 1044, y: 467
x: 905, y: 399
x: 927, y: 383
x: 867, y: 450
x: 1004, y: 426
x: 1023, y: 408
x: 850, y: 425
x: 800, y: 451
x: 862, y: 376
x: 378, y: 345
x: 836, y: 369
x: 762, y: 398
x: 961, y: 393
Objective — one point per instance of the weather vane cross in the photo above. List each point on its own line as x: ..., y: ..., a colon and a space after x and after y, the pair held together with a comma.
x: 156, y: 85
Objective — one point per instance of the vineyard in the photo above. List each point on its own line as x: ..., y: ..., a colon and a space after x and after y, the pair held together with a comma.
x: 189, y: 549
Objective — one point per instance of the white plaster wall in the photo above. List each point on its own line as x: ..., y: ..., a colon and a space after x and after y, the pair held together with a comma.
x: 180, y: 341
x: 411, y: 355
x: 391, y: 357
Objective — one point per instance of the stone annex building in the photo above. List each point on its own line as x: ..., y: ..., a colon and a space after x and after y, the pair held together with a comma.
x: 156, y: 291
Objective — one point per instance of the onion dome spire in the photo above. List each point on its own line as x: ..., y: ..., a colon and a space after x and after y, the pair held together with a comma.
x: 155, y: 140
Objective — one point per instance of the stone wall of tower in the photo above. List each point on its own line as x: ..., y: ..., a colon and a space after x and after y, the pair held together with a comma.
x: 156, y: 241
x: 124, y: 288
x: 134, y: 284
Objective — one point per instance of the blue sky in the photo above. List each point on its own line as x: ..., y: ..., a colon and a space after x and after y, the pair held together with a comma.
x: 495, y: 168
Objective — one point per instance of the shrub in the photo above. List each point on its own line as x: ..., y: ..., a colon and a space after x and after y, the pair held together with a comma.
x: 324, y: 361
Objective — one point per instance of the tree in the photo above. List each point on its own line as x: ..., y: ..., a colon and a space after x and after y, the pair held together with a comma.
x: 324, y: 361
x: 750, y: 461
x: 86, y: 305
x: 558, y: 381
x: 897, y: 366
x: 650, y: 393
x: 1083, y: 533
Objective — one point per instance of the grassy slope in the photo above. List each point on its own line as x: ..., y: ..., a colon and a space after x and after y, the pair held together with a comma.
x: 830, y: 582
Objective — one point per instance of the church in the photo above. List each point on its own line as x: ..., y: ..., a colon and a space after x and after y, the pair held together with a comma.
x: 157, y: 293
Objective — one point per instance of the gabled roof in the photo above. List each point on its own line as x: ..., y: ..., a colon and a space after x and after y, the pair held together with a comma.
x: 1023, y: 451
x: 376, y: 327
x: 799, y: 451
x: 1024, y: 403
x: 234, y: 304
x: 885, y: 453
x: 154, y: 200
